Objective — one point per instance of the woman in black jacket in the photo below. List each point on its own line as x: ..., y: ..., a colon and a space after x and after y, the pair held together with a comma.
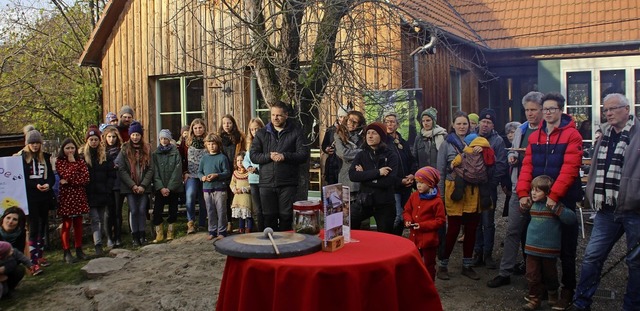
x: 102, y: 177
x: 375, y: 167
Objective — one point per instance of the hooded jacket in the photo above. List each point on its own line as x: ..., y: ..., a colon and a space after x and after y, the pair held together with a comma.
x: 557, y: 154
x: 167, y: 172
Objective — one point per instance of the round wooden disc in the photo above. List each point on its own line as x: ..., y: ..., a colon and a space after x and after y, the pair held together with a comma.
x: 257, y: 245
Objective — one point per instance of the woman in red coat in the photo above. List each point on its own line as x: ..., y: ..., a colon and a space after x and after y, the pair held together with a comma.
x: 72, y: 199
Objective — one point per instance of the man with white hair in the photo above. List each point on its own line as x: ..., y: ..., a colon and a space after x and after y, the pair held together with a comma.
x: 612, y: 190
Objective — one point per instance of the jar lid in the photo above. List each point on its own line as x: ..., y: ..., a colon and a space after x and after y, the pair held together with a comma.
x: 307, y: 205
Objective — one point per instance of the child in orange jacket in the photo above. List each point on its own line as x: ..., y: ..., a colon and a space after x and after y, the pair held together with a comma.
x: 424, y: 215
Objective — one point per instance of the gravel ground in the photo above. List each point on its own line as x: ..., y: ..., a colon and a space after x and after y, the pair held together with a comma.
x: 462, y: 293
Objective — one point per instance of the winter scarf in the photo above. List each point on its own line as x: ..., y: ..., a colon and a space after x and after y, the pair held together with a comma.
x: 607, y: 186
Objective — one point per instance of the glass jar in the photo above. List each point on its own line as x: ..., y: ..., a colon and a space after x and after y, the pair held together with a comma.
x: 306, y: 217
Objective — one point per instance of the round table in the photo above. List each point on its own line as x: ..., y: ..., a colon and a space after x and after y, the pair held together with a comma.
x: 379, y: 272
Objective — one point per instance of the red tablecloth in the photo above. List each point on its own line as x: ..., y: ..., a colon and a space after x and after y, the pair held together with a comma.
x: 381, y: 272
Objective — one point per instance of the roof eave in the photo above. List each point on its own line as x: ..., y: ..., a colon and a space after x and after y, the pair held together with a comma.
x: 570, y: 46
x: 92, y: 54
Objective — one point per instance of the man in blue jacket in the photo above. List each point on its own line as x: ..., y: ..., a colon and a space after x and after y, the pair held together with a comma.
x: 612, y: 190
x: 279, y: 148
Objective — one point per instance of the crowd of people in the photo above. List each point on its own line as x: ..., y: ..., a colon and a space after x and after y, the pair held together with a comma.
x: 444, y: 183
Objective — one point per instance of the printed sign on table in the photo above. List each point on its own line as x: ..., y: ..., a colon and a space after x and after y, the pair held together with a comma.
x: 12, y: 188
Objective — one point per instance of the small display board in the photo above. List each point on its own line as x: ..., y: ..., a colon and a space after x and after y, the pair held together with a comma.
x: 13, y: 192
x: 335, y: 212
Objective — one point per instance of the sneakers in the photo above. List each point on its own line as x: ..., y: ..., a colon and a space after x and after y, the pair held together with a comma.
x: 477, y: 260
x: 533, y: 303
x: 42, y: 262
x: 552, y: 297
x: 565, y: 301
x: 470, y: 273
x: 499, y: 281
x: 443, y: 273
x: 35, y: 270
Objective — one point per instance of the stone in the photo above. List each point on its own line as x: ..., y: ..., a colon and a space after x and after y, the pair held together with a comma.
x: 99, y: 267
x: 92, y: 290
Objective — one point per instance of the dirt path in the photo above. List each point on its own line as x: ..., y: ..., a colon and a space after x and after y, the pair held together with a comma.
x: 185, y: 274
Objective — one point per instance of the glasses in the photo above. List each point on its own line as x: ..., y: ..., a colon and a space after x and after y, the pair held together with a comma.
x: 606, y: 110
x: 550, y: 110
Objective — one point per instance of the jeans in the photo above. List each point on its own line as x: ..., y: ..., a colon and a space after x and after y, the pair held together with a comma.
x: 485, y: 233
x: 193, y: 191
x: 513, y: 237
x: 97, y: 223
x: 277, y: 207
x: 137, y: 210
x: 607, y: 230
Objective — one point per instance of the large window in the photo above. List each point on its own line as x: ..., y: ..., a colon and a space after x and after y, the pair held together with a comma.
x: 579, y: 101
x: 636, y: 82
x: 179, y: 101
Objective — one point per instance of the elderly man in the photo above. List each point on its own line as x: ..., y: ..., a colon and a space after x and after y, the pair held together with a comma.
x: 612, y: 189
x: 532, y: 104
x: 485, y: 233
x: 279, y: 148
x: 407, y: 167
x: 555, y: 149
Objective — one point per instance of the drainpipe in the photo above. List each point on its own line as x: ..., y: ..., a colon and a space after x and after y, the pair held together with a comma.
x: 415, y: 53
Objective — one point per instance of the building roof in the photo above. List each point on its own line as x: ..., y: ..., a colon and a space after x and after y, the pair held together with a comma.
x: 526, y: 24
x: 92, y: 54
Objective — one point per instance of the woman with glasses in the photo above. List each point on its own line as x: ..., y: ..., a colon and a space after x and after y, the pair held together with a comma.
x: 348, y: 143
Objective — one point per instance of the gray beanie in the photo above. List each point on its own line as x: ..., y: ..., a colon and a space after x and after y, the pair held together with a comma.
x: 164, y: 133
x: 33, y: 137
x: 431, y: 112
x: 126, y: 109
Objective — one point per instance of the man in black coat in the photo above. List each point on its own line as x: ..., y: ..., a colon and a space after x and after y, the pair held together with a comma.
x: 279, y: 148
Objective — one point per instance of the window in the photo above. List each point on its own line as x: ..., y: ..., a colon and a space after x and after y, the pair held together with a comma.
x: 179, y: 100
x: 455, y: 91
x: 636, y: 82
x: 579, y: 101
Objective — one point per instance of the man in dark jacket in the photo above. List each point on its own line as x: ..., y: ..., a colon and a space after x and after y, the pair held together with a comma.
x: 485, y: 234
x: 555, y: 149
x: 279, y: 148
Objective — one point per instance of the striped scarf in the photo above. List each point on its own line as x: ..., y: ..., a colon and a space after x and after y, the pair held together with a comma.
x: 607, y: 185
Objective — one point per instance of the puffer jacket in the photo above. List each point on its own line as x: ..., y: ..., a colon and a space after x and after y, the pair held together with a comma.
x: 290, y: 142
x: 558, y: 155
x: 102, y: 177
x: 167, y: 172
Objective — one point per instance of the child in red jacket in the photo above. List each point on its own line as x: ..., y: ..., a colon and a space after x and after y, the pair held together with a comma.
x: 424, y: 215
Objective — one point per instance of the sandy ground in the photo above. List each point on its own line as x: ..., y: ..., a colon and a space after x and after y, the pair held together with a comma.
x: 185, y: 274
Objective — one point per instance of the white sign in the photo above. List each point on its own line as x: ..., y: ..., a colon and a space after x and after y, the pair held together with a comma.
x: 12, y: 188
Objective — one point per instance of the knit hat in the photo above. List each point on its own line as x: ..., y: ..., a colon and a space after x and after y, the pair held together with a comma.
x: 135, y: 127
x: 489, y: 114
x: 474, y: 117
x: 27, y: 128
x: 92, y: 131
x: 431, y: 112
x: 111, y: 117
x: 379, y: 128
x: 428, y: 175
x: 126, y: 109
x: 5, y: 248
x: 33, y: 137
x: 164, y: 133
x: 342, y: 112
x: 469, y: 138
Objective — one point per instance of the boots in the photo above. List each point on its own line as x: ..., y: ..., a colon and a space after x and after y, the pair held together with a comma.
x: 190, y: 227
x: 68, y: 258
x: 470, y: 273
x: 170, y: 232
x: 99, y: 251
x: 159, y: 233
x: 478, y: 260
x: 135, y: 239
x: 142, y: 235
x: 80, y: 254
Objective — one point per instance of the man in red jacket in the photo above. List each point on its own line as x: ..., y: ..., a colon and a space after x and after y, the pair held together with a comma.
x: 555, y: 149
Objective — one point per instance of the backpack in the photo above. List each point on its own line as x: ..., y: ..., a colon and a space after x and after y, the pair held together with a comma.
x: 472, y: 168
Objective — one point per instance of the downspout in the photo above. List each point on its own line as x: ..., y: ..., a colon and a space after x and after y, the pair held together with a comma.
x: 415, y: 54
